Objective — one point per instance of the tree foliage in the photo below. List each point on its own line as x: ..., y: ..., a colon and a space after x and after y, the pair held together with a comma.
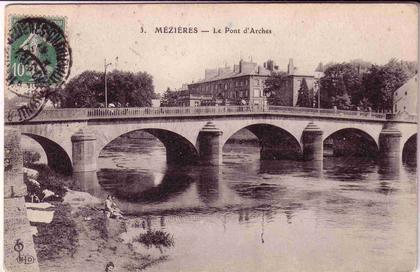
x: 361, y: 84
x: 169, y: 98
x: 273, y: 88
x: 380, y: 82
x: 30, y: 157
x: 125, y: 89
x: 304, y: 100
x: 340, y: 80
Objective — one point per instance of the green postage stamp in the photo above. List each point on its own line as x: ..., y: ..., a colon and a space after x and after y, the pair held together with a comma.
x: 38, y: 62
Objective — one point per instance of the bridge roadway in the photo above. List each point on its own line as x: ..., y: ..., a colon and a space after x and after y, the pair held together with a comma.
x: 73, y: 138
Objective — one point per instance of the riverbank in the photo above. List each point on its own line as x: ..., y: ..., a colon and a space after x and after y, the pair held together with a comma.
x: 71, y: 231
x: 81, y: 238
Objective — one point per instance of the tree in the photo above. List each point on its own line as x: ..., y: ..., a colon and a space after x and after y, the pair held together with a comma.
x: 169, y: 98
x: 304, y: 99
x: 380, y: 82
x: 342, y: 102
x: 342, y: 99
x: 273, y: 88
x: 87, y: 90
x: 339, y: 78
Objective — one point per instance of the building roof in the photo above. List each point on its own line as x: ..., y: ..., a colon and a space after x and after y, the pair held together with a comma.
x: 410, y: 86
x: 249, y: 68
x: 300, y: 75
x: 243, y: 69
x: 226, y: 76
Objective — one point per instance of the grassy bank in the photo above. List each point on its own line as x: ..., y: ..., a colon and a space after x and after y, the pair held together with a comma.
x: 82, y: 238
x: 59, y: 238
x: 49, y: 180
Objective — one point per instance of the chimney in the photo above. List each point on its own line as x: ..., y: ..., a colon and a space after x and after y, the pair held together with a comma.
x: 236, y: 68
x: 269, y: 65
x: 290, y: 67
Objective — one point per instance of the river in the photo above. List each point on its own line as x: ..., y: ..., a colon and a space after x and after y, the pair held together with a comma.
x: 252, y: 215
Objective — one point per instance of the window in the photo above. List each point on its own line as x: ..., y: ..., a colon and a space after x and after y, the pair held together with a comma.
x: 396, y: 108
x: 405, y: 93
x: 257, y: 93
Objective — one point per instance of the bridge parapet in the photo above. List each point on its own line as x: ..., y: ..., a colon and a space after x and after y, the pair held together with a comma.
x: 410, y: 118
x: 116, y: 113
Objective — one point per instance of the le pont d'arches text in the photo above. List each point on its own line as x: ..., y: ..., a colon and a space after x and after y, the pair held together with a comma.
x: 212, y: 30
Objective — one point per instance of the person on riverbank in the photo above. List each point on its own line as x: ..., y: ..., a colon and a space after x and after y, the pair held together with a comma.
x: 111, y: 208
x: 116, y: 209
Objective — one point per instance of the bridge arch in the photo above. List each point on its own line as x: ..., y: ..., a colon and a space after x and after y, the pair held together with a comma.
x: 57, y: 157
x: 409, y: 150
x: 275, y: 142
x: 350, y: 142
x: 179, y: 150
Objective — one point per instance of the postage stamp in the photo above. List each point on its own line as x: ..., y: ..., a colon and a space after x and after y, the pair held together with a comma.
x: 38, y: 61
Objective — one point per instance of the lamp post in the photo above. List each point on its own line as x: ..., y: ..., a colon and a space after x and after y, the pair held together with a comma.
x: 319, y: 94
x: 106, y: 87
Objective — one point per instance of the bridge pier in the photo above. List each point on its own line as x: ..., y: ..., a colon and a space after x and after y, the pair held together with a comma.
x: 210, y: 145
x: 390, y: 148
x: 84, y: 150
x: 313, y: 147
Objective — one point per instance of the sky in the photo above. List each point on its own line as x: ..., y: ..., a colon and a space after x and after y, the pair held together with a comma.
x: 308, y: 33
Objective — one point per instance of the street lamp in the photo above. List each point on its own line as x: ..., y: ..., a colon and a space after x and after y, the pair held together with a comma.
x: 106, y: 87
x: 319, y: 94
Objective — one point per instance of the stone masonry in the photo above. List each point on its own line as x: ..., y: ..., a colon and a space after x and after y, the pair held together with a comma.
x: 19, y: 251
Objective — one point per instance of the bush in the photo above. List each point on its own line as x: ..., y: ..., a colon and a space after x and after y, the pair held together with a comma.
x: 50, y: 180
x: 156, y: 238
x: 30, y: 157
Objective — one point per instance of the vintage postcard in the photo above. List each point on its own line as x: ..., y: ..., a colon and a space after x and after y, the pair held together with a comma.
x: 199, y: 137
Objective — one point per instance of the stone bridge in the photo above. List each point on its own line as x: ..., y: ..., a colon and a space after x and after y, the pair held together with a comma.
x: 73, y: 138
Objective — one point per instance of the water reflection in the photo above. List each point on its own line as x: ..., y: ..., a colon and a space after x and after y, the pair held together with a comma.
x: 88, y: 182
x: 208, y: 184
x: 389, y: 168
x: 349, y: 168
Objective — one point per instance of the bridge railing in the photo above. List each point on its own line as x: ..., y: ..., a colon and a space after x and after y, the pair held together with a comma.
x: 217, y: 110
x: 103, y: 113
x: 62, y: 114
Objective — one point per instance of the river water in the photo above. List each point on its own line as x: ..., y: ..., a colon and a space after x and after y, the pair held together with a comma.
x: 252, y: 215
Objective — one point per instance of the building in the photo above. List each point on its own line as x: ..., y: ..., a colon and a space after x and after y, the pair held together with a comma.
x: 189, y: 99
x: 243, y: 84
x: 156, y: 101
x: 405, y: 97
x: 290, y: 90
